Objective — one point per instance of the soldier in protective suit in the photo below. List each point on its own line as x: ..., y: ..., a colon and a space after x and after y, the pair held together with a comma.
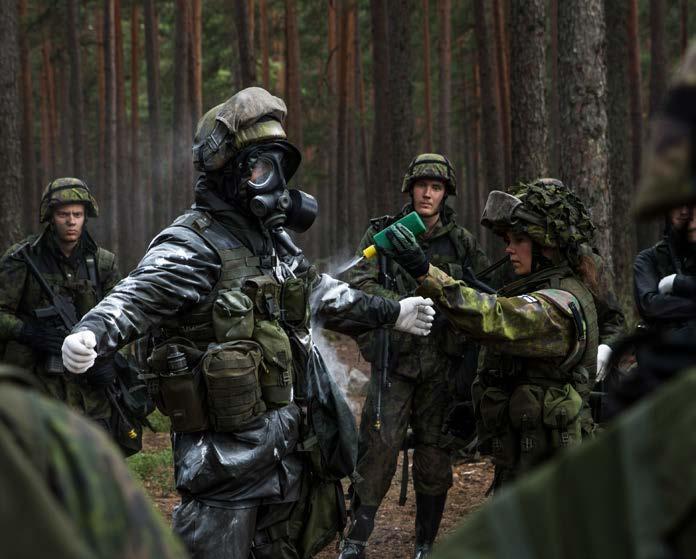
x: 632, y: 489
x: 68, y: 259
x: 232, y: 296
x: 424, y: 373
x: 539, y: 333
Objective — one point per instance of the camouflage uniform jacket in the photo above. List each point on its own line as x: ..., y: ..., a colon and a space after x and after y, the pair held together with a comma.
x: 632, y: 490
x: 21, y: 294
x: 62, y: 477
x: 450, y: 247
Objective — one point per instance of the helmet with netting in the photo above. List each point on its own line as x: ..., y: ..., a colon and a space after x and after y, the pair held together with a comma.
x: 431, y: 166
x: 545, y: 209
x: 68, y: 190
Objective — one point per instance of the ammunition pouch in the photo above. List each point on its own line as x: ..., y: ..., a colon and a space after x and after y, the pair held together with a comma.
x: 495, y: 434
x: 525, y: 408
x: 181, y: 397
x: 562, y: 408
x: 233, y: 316
x: 231, y: 374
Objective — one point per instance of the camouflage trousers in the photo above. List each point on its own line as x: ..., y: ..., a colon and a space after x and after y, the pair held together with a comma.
x: 78, y: 395
x: 418, y: 395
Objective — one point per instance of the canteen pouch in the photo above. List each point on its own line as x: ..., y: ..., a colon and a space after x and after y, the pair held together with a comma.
x: 293, y: 303
x: 525, y: 409
x: 231, y: 373
x: 233, y: 316
x: 182, y: 396
x: 562, y: 415
x: 275, y: 375
x: 495, y: 425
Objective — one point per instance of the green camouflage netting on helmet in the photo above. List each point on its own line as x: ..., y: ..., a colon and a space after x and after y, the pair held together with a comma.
x: 235, y: 124
x: 432, y: 166
x: 669, y: 177
x: 545, y: 210
x: 68, y: 190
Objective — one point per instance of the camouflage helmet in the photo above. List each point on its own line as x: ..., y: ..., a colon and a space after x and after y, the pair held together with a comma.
x: 545, y: 209
x: 68, y: 190
x: 431, y: 166
x: 250, y: 116
x: 669, y: 169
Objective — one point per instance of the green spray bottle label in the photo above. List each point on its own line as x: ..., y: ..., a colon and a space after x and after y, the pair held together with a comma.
x: 412, y: 222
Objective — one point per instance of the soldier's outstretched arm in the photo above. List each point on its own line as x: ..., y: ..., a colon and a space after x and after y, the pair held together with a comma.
x: 178, y: 270
x: 528, y: 325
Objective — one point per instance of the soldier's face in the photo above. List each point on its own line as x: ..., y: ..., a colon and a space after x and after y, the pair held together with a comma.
x: 679, y: 217
x: 519, y: 248
x: 68, y: 222
x: 427, y: 196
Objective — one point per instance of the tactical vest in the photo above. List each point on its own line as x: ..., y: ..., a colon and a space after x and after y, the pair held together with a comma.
x: 238, y: 357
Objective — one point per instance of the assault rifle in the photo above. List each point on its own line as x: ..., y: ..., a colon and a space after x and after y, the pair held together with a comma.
x: 475, y: 280
x: 383, y: 357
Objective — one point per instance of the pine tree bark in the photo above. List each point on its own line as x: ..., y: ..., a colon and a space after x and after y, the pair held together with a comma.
x: 427, y: 95
x: 101, y: 99
x: 76, y: 99
x: 492, y: 129
x: 47, y: 53
x: 293, y: 93
x: 11, y: 179
x: 141, y: 193
x: 45, y: 139
x: 124, y: 183
x: 343, y: 217
x: 658, y: 55
x: 401, y: 133
x: 182, y: 171
x: 246, y: 48
x: 31, y: 186
x: 528, y: 79
x: 361, y: 113
x: 444, y: 8
x: 159, y: 211
x: 619, y: 130
x: 196, y: 56
x: 583, y: 145
x: 380, y: 170
x: 329, y: 202
x: 265, y: 66
x: 110, y: 185
x: 634, y: 89
x: 501, y: 49
x: 554, y: 107
x: 65, y: 147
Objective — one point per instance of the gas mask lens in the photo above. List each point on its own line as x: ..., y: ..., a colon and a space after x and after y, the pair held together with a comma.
x: 262, y: 172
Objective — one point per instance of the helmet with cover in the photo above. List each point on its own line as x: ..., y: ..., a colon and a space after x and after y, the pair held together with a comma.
x: 669, y: 171
x: 431, y: 166
x: 545, y: 210
x: 67, y: 190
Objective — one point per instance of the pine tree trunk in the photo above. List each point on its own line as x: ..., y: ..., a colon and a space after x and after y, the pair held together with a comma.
x: 528, y: 79
x: 554, y: 108
x: 31, y: 186
x: 76, y: 101
x: 479, y: 192
x: 197, y: 60
x: 46, y: 143
x: 445, y: 82
x: 181, y: 140
x: 361, y: 117
x: 380, y: 170
x: 658, y: 55
x: 293, y: 93
x: 140, y: 191
x: 492, y: 129
x: 620, y: 173
x: 501, y: 48
x: 343, y: 217
x: 265, y: 66
x: 65, y: 148
x: 583, y: 145
x: 634, y: 89
x: 11, y: 179
x: 427, y: 96
x: 246, y: 47
x: 101, y: 99
x: 400, y: 93
x: 329, y: 202
x: 124, y: 184
x: 110, y: 186
x: 159, y: 210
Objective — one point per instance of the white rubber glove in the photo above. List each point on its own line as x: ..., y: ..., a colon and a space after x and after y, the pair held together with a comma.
x: 666, y: 284
x: 78, y: 351
x: 416, y: 316
x: 603, y: 356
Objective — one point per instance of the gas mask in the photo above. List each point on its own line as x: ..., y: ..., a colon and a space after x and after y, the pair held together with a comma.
x: 261, y: 173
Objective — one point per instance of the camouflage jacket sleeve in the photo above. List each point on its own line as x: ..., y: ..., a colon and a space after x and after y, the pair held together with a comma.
x: 528, y: 325
x: 178, y: 270
x: 610, y: 319
x: 109, y: 274
x: 13, y: 275
x: 632, y: 488
x: 365, y: 275
x: 336, y: 306
x: 63, y: 477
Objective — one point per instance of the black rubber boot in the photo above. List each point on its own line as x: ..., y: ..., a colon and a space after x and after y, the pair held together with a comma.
x: 362, y: 524
x: 429, y: 511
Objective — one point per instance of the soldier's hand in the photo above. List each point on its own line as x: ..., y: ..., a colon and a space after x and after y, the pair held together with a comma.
x: 416, y: 316
x: 406, y: 251
x: 78, y: 351
x: 603, y: 357
x: 40, y: 338
x: 666, y: 284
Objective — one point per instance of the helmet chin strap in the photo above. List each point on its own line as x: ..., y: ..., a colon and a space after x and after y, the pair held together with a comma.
x: 539, y: 261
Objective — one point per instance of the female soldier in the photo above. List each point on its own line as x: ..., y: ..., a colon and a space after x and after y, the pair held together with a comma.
x: 539, y: 332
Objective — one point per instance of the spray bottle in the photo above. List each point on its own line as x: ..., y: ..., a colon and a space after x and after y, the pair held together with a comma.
x: 412, y: 222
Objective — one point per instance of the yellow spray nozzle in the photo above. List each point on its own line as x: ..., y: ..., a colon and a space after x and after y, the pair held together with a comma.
x: 370, y: 252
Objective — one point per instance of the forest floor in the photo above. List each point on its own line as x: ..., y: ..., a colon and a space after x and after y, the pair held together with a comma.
x: 393, y: 537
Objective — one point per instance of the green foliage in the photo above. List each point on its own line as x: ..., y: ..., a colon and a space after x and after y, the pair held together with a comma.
x: 154, y: 469
x: 159, y: 422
